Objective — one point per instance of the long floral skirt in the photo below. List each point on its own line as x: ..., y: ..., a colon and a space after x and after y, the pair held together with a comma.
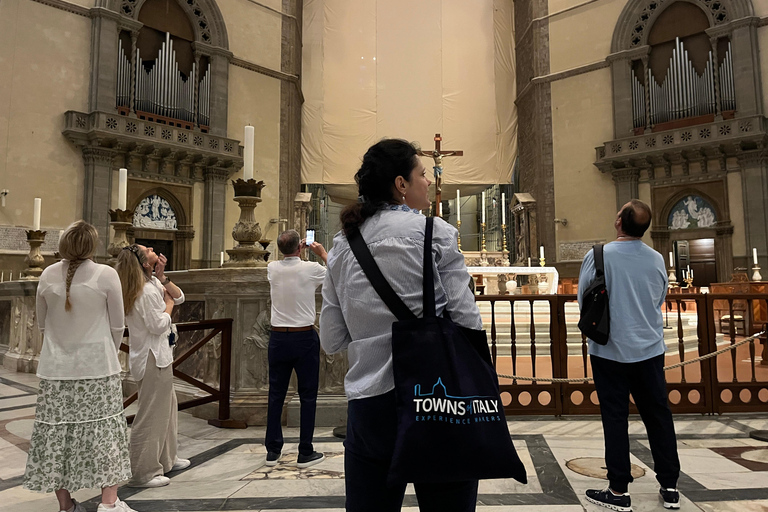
x: 80, y: 436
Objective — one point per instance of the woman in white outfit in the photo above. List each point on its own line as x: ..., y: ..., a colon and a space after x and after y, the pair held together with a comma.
x: 149, y: 301
x: 80, y: 437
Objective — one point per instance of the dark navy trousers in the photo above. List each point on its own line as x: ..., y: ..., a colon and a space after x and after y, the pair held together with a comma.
x: 289, y: 351
x: 614, y: 382
x: 368, y: 449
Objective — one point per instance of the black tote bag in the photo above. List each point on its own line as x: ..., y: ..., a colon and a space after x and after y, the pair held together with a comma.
x: 451, y: 425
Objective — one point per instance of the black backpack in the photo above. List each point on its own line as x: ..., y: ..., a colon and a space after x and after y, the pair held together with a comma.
x: 595, y: 320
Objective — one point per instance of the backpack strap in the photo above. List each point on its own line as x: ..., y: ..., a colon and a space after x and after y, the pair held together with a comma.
x: 429, y: 277
x: 377, y: 279
x: 597, y: 249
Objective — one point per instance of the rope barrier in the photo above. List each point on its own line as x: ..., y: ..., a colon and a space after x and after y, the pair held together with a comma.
x: 584, y: 380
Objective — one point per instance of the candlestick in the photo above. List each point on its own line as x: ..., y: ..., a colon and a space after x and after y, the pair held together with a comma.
x: 672, y: 277
x: 248, y: 153
x: 504, y: 252
x: 458, y: 229
x: 482, y: 230
x: 503, y: 208
x: 482, y: 208
x: 121, y: 221
x: 756, y: 273
x: 542, y: 261
x: 34, y: 259
x: 122, y: 189
x: 754, y: 255
x: 247, y: 231
x: 671, y: 259
x: 37, y: 208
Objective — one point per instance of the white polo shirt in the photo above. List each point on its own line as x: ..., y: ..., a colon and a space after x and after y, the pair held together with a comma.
x: 293, y: 284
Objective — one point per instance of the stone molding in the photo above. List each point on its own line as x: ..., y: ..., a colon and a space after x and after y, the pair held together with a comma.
x: 627, y: 175
x: 66, y: 7
x: 147, y: 140
x: 215, y: 174
x: 97, y: 155
x: 568, y: 73
x: 712, y: 140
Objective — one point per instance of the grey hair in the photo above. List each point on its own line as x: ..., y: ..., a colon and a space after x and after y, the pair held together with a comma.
x: 288, y: 241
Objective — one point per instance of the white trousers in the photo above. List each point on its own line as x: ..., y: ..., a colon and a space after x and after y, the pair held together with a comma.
x: 154, y: 432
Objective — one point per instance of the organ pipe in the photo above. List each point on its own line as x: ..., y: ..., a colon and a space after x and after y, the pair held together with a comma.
x: 162, y: 89
x: 683, y: 93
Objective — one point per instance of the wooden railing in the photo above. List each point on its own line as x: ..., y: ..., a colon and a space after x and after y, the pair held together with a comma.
x: 543, y: 342
x: 223, y: 327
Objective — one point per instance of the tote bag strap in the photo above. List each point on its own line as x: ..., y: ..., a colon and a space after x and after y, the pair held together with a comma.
x: 429, y: 277
x: 377, y: 279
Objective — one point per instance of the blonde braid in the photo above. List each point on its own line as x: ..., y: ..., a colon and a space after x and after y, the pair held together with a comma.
x: 73, y: 265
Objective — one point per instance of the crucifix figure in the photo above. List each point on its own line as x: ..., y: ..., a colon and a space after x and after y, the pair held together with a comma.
x: 437, y: 154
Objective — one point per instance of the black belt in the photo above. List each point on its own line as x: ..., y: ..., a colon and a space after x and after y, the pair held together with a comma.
x: 293, y: 329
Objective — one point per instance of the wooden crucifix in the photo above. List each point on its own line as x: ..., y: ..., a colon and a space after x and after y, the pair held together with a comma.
x: 438, y: 155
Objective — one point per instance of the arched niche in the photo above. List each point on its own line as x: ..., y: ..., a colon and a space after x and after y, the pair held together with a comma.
x: 155, y: 234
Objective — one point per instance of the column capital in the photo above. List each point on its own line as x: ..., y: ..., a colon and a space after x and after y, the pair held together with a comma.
x: 98, y: 155
x: 630, y: 174
x: 215, y: 174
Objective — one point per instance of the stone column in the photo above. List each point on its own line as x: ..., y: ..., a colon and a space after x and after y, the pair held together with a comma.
x: 213, y: 215
x: 724, y: 250
x: 626, y: 181
x: 754, y: 180
x: 98, y: 191
x: 661, y: 242
x: 104, y: 39
x: 219, y: 59
x: 621, y: 72
x: 746, y: 69
x: 183, y: 250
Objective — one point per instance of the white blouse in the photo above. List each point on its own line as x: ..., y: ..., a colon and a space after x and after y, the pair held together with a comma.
x: 148, y: 329
x: 81, y: 343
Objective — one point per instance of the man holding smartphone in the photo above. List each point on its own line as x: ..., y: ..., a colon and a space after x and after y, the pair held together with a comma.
x: 294, y: 344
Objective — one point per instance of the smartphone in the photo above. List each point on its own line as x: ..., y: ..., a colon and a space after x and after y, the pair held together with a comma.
x: 310, y: 237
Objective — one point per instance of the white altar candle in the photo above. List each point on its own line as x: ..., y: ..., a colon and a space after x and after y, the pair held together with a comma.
x: 482, y: 208
x: 122, y: 189
x: 529, y: 262
x: 541, y: 252
x: 458, y: 205
x: 671, y: 260
x: 248, y: 154
x: 222, y: 257
x: 754, y: 255
x: 440, y: 209
x: 503, y: 208
x: 690, y: 273
x: 36, y: 221
x: 2, y: 277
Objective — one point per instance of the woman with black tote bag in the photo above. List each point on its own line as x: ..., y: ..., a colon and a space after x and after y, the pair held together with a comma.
x: 423, y: 406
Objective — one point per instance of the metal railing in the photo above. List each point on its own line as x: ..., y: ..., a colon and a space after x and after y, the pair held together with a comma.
x: 223, y: 327
x: 546, y: 357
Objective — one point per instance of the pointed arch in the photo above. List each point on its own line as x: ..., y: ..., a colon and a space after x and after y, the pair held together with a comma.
x: 205, y: 16
x: 638, y: 16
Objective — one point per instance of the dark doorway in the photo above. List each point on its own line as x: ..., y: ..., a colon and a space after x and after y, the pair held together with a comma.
x: 161, y: 247
x: 702, y: 254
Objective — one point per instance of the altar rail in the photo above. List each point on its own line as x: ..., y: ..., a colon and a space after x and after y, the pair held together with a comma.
x: 536, y: 339
x: 222, y: 326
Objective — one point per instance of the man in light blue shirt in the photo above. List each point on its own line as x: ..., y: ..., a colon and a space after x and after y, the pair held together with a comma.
x: 633, y: 359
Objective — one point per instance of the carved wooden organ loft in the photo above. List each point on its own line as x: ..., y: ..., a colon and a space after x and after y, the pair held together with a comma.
x: 162, y: 92
x: 684, y: 92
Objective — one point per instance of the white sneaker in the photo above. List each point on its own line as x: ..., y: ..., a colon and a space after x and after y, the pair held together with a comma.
x: 78, y: 507
x: 120, y: 506
x: 158, y: 481
x: 181, y: 464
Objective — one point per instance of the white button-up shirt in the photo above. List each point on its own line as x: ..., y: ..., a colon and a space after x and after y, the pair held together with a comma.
x: 148, y: 329
x: 355, y: 318
x: 293, y: 284
x: 80, y: 343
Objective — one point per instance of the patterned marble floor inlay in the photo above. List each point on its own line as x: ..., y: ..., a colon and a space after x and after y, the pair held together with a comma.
x: 723, y: 469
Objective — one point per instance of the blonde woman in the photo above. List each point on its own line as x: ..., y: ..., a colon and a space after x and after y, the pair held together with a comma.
x: 148, y: 302
x: 80, y: 437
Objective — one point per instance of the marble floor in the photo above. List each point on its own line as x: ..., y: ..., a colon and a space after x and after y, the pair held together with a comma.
x: 723, y: 468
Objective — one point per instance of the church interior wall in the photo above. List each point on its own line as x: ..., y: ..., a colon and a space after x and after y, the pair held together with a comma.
x: 254, y: 32
x: 44, y: 70
x: 198, y: 194
x: 736, y: 202
x: 583, y: 35
x: 583, y: 195
x: 762, y: 42
x: 255, y: 99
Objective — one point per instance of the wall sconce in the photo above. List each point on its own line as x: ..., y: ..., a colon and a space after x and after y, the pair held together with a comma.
x: 564, y: 222
x: 3, y: 193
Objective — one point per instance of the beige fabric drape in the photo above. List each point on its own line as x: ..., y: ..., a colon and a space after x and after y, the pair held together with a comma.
x: 442, y: 66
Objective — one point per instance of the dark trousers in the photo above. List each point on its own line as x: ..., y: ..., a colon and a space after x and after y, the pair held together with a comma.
x: 290, y: 351
x: 368, y: 448
x: 614, y: 382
